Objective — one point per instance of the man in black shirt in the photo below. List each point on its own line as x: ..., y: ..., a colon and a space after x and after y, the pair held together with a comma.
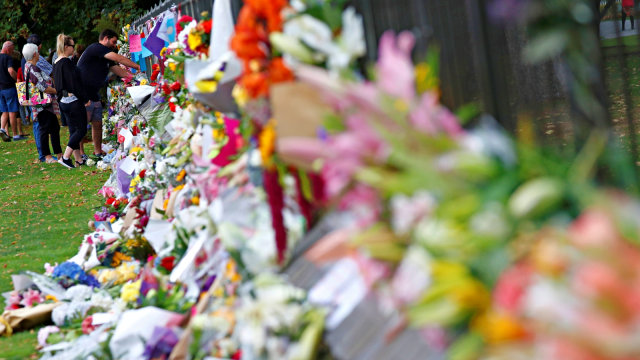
x: 94, y: 66
x: 8, y: 94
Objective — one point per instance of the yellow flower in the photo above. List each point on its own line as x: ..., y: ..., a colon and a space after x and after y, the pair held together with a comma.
x: 426, y: 79
x: 181, y: 175
x: 471, y: 294
x: 165, y: 204
x: 143, y: 82
x: 130, y: 291
x: 125, y: 272
x: 195, y: 200
x: 107, y: 276
x: 498, y: 328
x: 118, y: 258
x: 178, y: 188
x: 172, y: 66
x: 51, y: 297
x: 163, y: 51
x: 218, y: 292
x: 267, y: 142
x: 231, y: 272
x: 240, y: 95
x: 194, y: 40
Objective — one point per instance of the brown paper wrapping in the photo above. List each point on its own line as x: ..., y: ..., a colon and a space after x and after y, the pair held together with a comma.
x: 158, y: 202
x: 25, y: 318
x: 298, y: 109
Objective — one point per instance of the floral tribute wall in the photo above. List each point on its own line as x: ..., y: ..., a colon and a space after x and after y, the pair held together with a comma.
x: 247, y: 134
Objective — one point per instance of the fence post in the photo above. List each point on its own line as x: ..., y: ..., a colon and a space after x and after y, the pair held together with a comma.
x: 493, y: 84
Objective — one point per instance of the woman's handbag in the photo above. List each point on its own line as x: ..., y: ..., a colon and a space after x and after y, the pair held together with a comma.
x: 35, y: 98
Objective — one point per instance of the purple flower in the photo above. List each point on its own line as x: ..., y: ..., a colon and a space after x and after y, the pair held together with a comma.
x: 161, y: 343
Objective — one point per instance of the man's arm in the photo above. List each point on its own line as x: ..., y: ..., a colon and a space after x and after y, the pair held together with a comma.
x: 121, y: 60
x: 116, y: 69
x: 13, y: 73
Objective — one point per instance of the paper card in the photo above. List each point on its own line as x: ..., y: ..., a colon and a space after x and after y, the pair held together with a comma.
x: 21, y: 282
x: 155, y: 233
x: 128, y: 165
x: 135, y: 45
x: 128, y: 138
x: 145, y: 52
x: 143, y: 64
x: 188, y: 260
x: 340, y: 290
x: 171, y: 29
x: 141, y: 93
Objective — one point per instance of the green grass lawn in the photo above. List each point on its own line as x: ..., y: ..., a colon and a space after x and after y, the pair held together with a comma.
x: 44, y: 212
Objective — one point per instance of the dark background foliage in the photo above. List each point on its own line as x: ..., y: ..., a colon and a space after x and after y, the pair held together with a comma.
x: 82, y: 19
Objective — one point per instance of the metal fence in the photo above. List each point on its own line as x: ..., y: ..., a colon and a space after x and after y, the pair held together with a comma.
x: 193, y: 8
x: 482, y: 63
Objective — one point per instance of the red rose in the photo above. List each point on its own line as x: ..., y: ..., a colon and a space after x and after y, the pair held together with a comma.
x: 110, y: 201
x: 142, y: 173
x: 166, y: 89
x: 121, y: 138
x: 176, y: 86
x: 184, y: 20
x: 135, y: 131
x: 172, y: 107
x: 207, y: 26
x: 167, y: 262
x: 237, y: 355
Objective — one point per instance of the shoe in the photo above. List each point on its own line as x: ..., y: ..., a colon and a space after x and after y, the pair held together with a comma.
x: 19, y: 137
x: 24, y: 135
x: 85, y: 157
x: 5, y: 137
x: 51, y: 161
x: 66, y: 163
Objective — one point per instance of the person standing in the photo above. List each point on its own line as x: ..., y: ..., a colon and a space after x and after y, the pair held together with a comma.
x: 627, y: 10
x: 43, y: 114
x: 46, y: 68
x: 72, y: 98
x: 8, y: 94
x: 94, y: 65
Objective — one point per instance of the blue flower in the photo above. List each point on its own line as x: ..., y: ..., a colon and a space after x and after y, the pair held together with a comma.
x: 72, y: 271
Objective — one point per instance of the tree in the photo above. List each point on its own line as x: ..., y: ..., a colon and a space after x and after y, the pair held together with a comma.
x: 82, y: 19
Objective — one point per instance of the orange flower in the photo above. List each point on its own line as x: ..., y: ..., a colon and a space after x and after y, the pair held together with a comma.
x: 246, y: 45
x: 255, y: 84
x: 279, y: 72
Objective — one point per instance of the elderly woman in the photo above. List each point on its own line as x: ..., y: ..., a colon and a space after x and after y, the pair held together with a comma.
x: 43, y: 114
x: 72, y: 98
